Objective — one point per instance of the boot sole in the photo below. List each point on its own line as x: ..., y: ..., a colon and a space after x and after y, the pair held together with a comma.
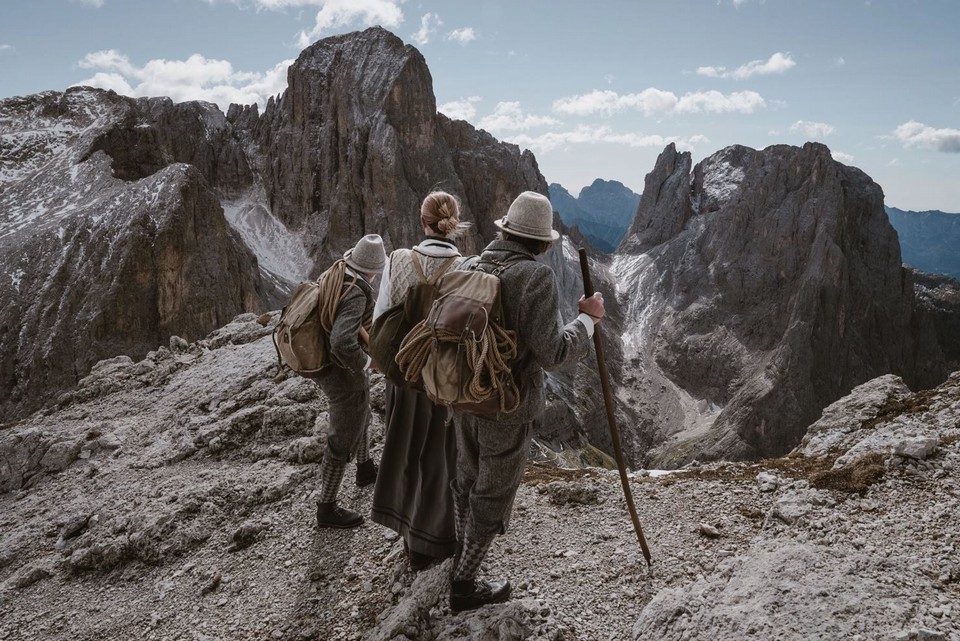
x: 338, y: 526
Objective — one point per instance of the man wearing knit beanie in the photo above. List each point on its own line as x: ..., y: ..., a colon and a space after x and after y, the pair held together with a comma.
x: 346, y: 382
x: 492, y: 449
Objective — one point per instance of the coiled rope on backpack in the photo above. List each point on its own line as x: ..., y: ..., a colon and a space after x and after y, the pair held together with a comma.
x: 487, y: 357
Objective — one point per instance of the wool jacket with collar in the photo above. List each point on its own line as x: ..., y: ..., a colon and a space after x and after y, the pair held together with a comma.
x: 531, y: 307
x: 399, y: 274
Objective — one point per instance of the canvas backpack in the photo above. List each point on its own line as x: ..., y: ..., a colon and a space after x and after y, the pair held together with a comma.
x: 300, y: 338
x: 391, y: 327
x: 461, y: 352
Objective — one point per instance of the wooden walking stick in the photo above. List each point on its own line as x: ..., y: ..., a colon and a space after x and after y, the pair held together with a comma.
x: 611, y: 418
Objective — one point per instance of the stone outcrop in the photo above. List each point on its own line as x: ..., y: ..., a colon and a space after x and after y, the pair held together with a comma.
x: 762, y: 285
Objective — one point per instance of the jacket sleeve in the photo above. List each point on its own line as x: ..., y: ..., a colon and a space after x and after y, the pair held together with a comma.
x: 553, y: 343
x: 344, y: 336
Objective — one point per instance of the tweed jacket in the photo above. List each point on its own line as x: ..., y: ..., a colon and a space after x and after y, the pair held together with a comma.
x: 348, y: 370
x: 531, y: 307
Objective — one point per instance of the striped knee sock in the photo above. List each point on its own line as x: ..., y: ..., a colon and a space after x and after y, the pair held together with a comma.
x: 473, y: 552
x: 331, y: 473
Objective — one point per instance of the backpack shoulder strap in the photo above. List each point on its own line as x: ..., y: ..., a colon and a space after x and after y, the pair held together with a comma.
x: 422, y: 276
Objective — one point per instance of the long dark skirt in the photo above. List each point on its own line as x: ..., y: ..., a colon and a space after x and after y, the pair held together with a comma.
x: 413, y: 495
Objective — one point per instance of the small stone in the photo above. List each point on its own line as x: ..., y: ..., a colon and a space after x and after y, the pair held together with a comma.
x: 709, y: 531
x: 925, y: 634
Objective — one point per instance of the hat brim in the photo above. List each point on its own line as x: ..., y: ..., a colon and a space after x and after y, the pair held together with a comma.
x: 353, y: 265
x: 554, y: 235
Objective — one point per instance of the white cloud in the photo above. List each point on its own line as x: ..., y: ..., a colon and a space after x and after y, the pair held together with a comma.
x: 509, y: 116
x: 894, y: 163
x: 463, y: 35
x: 839, y: 62
x: 813, y: 130
x: 843, y: 157
x: 917, y: 134
x: 591, y: 135
x: 196, y: 78
x: 609, y: 78
x: 462, y: 109
x: 428, y: 26
x: 654, y: 101
x: 334, y: 14
x: 91, y: 3
x: 777, y: 63
x: 5, y: 47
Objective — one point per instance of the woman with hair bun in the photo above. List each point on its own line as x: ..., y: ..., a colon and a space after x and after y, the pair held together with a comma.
x: 412, y: 495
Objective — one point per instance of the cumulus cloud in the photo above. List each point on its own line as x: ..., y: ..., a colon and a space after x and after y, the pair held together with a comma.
x: 841, y: 156
x: 509, y: 116
x: 5, y: 47
x: 333, y: 14
x: 196, y: 78
x: 462, y: 109
x: 654, y: 101
x: 592, y: 135
x: 463, y: 35
x: 917, y: 134
x: 777, y: 63
x: 428, y: 26
x: 812, y: 130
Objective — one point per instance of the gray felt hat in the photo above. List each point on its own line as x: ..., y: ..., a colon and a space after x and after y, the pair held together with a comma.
x: 367, y: 255
x: 530, y: 216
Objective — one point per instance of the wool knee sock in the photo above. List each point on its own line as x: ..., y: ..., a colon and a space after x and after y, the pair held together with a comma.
x: 460, y: 510
x: 473, y: 551
x: 331, y: 473
x: 363, y: 447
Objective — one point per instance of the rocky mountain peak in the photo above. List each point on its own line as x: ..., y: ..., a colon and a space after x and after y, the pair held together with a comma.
x: 768, y: 284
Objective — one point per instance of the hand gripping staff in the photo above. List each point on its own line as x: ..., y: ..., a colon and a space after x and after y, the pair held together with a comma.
x: 611, y: 418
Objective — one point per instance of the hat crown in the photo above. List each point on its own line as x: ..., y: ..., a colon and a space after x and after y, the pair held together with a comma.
x: 367, y: 255
x: 531, y: 216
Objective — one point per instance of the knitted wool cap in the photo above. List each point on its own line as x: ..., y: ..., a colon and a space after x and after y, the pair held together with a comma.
x: 530, y: 216
x: 367, y: 255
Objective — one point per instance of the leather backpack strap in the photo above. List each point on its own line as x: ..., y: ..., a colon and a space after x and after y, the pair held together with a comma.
x: 421, y: 276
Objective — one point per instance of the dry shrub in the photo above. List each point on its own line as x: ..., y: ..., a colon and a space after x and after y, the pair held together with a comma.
x: 854, y: 478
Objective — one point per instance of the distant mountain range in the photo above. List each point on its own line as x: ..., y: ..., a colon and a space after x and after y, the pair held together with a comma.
x: 929, y: 240
x: 603, y: 211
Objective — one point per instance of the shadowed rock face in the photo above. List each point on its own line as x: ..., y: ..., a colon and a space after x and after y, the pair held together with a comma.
x: 356, y: 142
x: 762, y: 286
x: 111, y: 242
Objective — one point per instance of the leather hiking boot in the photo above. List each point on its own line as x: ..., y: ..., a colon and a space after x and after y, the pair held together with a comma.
x: 366, y: 473
x: 330, y: 515
x: 470, y: 595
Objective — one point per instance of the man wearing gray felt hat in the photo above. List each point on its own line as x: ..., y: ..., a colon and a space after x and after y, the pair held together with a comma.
x: 492, y: 450
x: 345, y: 381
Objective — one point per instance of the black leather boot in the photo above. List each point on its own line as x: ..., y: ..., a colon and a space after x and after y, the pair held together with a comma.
x: 366, y: 473
x: 329, y: 515
x: 470, y: 595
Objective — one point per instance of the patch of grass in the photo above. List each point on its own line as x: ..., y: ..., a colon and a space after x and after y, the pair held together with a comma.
x: 854, y: 478
x: 537, y: 473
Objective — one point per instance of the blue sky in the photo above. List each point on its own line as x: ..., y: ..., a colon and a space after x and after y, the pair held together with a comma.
x: 595, y: 89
